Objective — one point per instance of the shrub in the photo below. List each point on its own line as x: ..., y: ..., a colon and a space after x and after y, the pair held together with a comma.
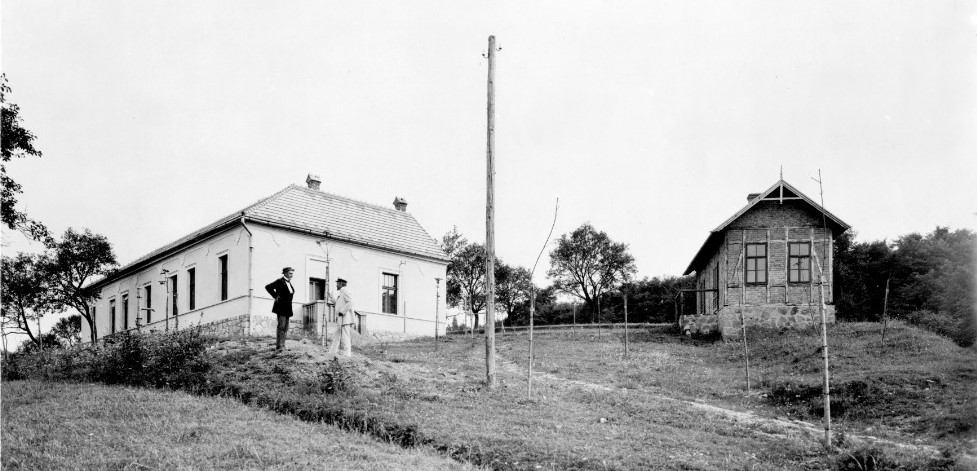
x: 172, y: 359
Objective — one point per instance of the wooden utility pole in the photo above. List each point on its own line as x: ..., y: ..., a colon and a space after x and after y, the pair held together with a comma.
x: 490, y: 225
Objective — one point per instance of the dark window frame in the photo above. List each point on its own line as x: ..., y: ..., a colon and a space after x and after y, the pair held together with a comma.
x: 756, y: 270
x: 317, y: 286
x: 799, y: 263
x: 191, y: 288
x: 125, y: 311
x: 174, y: 295
x: 222, y: 268
x: 112, y: 314
x: 148, y: 290
x: 388, y: 293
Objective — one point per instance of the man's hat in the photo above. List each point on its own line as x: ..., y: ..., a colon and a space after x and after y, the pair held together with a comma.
x: 340, y: 280
x: 287, y: 269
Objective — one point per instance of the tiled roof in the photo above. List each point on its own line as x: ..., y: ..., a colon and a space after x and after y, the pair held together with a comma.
x: 345, y: 219
x: 329, y: 215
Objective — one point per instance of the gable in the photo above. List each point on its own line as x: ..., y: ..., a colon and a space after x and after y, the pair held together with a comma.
x: 777, y: 206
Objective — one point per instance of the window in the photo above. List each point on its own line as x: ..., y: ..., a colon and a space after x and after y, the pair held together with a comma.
x: 317, y: 289
x: 173, y: 295
x: 799, y: 263
x: 112, y: 314
x: 388, y: 297
x: 716, y: 286
x: 192, y: 288
x: 125, y: 312
x: 223, y: 271
x: 756, y: 264
x: 149, y: 303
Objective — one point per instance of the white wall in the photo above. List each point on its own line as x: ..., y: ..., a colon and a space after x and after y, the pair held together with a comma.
x: 274, y: 249
x: 362, y: 267
x: 203, y: 258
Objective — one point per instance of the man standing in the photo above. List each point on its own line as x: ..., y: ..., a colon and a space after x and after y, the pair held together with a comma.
x: 345, y: 313
x: 282, y: 291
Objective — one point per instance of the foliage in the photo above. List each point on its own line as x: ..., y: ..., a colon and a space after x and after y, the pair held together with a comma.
x: 17, y: 142
x: 451, y: 244
x: 75, y: 262
x: 931, y: 280
x: 649, y: 299
x: 26, y: 294
x: 587, y: 263
x: 513, y: 286
x: 68, y: 330
x: 175, y: 360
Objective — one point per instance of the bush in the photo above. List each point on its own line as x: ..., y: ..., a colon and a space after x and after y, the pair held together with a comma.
x: 172, y: 359
x: 960, y: 330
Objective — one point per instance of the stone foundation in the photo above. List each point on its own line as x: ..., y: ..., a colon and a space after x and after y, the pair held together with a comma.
x: 699, y: 324
x: 267, y: 326
x: 233, y: 327
x: 773, y: 316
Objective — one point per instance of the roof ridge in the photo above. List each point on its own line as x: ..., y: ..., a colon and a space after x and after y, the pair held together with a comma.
x: 354, y: 200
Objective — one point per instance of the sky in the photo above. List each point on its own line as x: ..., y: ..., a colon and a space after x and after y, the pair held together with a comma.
x: 652, y: 120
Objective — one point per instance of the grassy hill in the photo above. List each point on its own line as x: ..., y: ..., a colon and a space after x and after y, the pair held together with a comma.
x: 672, y: 403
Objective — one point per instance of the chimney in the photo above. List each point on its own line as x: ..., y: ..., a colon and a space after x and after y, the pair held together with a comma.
x: 400, y: 204
x: 752, y: 196
x: 313, y: 181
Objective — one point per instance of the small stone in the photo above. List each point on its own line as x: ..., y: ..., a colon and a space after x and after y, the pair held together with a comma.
x: 602, y: 420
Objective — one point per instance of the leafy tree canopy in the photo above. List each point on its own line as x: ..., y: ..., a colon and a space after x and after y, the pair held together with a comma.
x: 17, y: 142
x: 587, y: 263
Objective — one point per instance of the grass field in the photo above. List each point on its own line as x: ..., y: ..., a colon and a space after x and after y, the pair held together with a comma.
x: 672, y: 403
x: 88, y: 426
x: 593, y: 409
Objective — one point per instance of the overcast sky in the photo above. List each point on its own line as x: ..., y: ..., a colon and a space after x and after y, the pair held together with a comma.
x: 651, y: 120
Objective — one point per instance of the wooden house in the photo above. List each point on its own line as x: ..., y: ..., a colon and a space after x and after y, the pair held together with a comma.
x: 768, y: 265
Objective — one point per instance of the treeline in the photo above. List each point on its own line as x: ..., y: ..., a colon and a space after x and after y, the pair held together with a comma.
x: 650, y: 300
x: 930, y: 281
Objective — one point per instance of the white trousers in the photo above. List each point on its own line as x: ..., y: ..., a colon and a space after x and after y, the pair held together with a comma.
x: 343, y: 338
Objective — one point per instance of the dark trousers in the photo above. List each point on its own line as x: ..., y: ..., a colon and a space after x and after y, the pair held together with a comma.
x: 282, y: 331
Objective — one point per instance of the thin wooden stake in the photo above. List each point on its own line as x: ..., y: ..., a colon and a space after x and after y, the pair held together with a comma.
x: 824, y: 331
x: 625, y: 325
x: 885, y: 319
x: 746, y: 348
x: 532, y: 303
x: 437, y: 309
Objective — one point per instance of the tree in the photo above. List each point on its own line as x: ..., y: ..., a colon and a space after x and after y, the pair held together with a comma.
x: 26, y: 294
x: 77, y: 260
x: 587, y: 264
x: 17, y: 142
x: 512, y: 287
x: 452, y: 243
x: 68, y: 330
x: 931, y: 279
x: 468, y: 272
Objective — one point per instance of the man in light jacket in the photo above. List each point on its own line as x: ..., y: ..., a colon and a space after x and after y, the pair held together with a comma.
x: 346, y: 314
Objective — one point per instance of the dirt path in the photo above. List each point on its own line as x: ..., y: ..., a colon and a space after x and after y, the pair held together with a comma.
x: 766, y: 425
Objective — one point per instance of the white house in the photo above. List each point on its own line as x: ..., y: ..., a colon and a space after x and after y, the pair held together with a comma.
x: 217, y: 274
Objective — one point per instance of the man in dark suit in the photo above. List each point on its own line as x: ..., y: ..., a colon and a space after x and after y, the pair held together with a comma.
x: 282, y: 291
